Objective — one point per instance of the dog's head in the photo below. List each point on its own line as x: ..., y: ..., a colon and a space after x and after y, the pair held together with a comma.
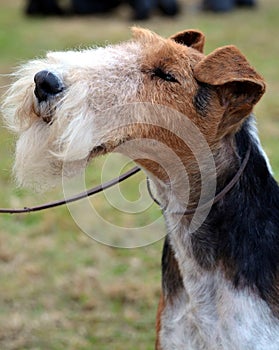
x: 74, y: 105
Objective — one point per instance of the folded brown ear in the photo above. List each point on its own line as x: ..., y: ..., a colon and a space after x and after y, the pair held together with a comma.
x: 191, y: 38
x: 237, y: 85
x: 227, y: 66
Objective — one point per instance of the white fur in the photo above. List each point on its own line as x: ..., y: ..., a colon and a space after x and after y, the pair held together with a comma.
x: 210, y: 314
x: 95, y: 80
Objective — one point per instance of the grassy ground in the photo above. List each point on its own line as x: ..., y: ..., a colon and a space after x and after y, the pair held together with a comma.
x: 59, y: 288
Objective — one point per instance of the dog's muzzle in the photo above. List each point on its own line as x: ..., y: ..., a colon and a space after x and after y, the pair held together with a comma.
x: 47, y: 85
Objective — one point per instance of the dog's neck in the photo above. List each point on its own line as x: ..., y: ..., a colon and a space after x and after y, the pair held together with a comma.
x: 230, y: 259
x: 199, y: 181
x: 240, y: 234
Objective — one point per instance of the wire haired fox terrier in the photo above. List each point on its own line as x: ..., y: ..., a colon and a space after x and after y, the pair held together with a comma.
x: 220, y: 281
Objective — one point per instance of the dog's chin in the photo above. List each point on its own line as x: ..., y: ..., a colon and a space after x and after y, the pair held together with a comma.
x: 108, y: 146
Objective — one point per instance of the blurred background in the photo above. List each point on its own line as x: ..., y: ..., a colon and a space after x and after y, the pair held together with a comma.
x: 58, y: 287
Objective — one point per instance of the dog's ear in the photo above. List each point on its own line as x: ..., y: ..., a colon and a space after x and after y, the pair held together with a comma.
x: 191, y: 38
x: 238, y: 85
x: 144, y: 34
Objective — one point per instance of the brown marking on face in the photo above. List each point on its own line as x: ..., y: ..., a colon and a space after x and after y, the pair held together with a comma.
x: 175, y: 72
x: 168, y: 80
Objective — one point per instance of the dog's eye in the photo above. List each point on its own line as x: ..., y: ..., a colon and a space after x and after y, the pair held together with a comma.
x: 158, y: 72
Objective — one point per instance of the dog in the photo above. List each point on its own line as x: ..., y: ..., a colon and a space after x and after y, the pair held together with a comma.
x: 174, y: 110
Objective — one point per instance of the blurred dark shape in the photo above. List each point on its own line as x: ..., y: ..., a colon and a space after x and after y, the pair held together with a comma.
x: 142, y: 9
x: 225, y: 5
x: 85, y: 7
x: 169, y: 7
x: 218, y: 5
x: 248, y: 3
x: 43, y: 7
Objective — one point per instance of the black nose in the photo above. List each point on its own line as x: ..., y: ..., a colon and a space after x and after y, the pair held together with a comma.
x: 47, y: 85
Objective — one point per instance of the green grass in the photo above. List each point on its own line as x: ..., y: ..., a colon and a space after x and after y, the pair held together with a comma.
x: 59, y: 288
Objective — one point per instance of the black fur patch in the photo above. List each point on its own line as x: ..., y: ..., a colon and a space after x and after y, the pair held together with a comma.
x: 172, y: 281
x: 242, y: 231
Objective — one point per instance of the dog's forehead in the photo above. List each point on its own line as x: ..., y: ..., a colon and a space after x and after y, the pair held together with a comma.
x: 169, y: 53
x: 135, y: 51
x: 98, y: 56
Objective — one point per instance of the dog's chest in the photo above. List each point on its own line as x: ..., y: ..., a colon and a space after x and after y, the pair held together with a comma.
x: 210, y: 315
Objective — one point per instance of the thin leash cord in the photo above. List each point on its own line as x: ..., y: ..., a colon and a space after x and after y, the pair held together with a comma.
x: 216, y: 199
x: 75, y: 198
x: 123, y: 177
